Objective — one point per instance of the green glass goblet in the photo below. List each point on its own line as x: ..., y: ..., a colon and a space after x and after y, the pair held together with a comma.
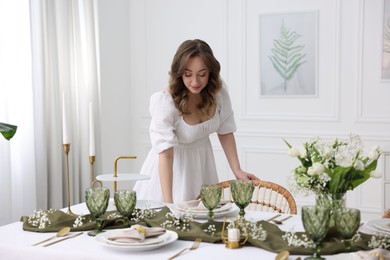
x: 347, y: 222
x: 97, y: 203
x: 242, y: 192
x: 125, y: 201
x: 316, y: 223
x: 211, y: 196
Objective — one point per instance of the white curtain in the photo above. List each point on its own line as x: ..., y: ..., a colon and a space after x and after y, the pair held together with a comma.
x: 64, y: 61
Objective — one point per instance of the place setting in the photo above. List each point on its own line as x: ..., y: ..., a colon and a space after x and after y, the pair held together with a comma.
x: 137, y: 238
x: 376, y: 226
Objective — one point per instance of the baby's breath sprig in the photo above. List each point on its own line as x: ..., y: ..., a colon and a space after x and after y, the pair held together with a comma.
x: 252, y: 229
x: 78, y: 222
x: 379, y: 241
x: 211, y: 230
x: 114, y: 215
x: 40, y: 218
x: 180, y: 223
x: 139, y: 215
x: 294, y: 240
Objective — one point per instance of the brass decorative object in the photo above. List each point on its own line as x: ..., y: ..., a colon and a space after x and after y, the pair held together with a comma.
x: 234, y: 239
x: 92, y: 170
x: 116, y: 167
x: 66, y: 150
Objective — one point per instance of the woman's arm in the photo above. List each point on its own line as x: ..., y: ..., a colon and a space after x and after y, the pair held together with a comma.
x: 166, y: 174
x: 229, y: 147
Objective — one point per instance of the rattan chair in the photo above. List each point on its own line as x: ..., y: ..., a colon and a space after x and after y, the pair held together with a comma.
x: 386, y: 214
x: 267, y: 196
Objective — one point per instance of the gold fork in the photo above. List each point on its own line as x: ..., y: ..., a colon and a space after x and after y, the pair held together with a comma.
x: 194, y: 246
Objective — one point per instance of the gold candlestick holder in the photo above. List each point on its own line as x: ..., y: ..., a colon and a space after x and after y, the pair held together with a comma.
x: 66, y: 150
x: 92, y: 171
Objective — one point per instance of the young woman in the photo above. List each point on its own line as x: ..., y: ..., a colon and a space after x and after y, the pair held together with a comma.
x: 194, y: 105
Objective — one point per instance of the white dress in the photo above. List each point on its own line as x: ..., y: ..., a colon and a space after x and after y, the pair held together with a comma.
x: 193, y: 163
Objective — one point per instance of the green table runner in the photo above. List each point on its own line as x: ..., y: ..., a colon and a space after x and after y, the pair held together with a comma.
x: 54, y: 220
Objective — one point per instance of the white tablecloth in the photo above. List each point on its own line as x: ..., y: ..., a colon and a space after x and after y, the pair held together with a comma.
x: 16, y: 244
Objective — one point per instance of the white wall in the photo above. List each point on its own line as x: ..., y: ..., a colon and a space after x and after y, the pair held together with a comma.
x: 139, y: 39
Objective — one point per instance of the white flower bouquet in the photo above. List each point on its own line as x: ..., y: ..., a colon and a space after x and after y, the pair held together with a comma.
x: 333, y: 167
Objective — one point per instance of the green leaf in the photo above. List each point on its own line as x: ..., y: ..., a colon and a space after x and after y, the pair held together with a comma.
x: 7, y: 130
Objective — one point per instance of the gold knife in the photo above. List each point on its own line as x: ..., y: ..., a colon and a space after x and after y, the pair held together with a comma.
x: 274, y: 217
x: 62, y: 239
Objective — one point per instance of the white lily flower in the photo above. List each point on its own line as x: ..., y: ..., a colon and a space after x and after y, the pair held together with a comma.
x: 294, y: 152
x: 358, y: 165
x: 375, y: 174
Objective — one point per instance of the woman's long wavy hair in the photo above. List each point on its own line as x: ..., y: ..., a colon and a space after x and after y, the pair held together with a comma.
x: 179, y: 92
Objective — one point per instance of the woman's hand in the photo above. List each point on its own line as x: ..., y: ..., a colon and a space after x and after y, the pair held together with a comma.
x: 241, y: 175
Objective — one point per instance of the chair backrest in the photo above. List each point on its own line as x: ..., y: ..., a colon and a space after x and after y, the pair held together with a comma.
x: 267, y: 196
x: 386, y: 214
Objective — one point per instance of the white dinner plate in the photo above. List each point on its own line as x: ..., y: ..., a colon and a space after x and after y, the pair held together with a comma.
x: 169, y: 237
x: 149, y: 204
x: 148, y: 241
x: 380, y: 224
x: 370, y: 229
x: 205, y: 215
x: 201, y: 209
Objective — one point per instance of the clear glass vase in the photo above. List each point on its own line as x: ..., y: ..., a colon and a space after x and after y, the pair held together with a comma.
x: 331, y: 201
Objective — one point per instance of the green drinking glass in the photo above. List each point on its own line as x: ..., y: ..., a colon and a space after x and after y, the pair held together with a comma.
x: 125, y: 201
x: 97, y: 203
x: 316, y: 223
x: 347, y: 222
x: 211, y: 196
x: 242, y: 192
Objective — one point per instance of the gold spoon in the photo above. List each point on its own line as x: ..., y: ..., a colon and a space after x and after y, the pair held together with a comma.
x: 62, y: 232
x: 282, y: 255
x: 278, y: 222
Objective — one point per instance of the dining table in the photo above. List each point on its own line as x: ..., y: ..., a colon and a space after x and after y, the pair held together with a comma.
x: 17, y: 243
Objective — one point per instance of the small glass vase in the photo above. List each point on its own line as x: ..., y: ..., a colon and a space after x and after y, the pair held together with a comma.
x: 331, y: 201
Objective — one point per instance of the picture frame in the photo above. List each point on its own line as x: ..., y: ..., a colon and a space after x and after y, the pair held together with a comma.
x: 289, y: 54
x: 385, y: 73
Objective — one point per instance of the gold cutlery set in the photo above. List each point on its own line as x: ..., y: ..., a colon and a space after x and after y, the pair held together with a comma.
x: 60, y: 234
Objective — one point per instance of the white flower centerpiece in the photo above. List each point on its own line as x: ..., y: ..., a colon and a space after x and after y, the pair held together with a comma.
x: 330, y: 169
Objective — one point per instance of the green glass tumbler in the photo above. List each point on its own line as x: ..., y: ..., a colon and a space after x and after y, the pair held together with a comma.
x: 125, y: 201
x: 316, y: 224
x: 242, y: 192
x: 211, y: 196
x: 347, y: 223
x: 97, y: 203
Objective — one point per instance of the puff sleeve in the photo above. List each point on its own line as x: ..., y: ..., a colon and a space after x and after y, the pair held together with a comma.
x: 162, y: 126
x: 227, y: 122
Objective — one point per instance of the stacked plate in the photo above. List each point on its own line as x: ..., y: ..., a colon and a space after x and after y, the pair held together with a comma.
x: 198, y: 210
x: 377, y: 227
x: 148, y: 244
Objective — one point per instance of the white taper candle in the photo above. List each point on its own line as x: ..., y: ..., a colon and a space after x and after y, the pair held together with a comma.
x: 91, y: 131
x: 65, y: 133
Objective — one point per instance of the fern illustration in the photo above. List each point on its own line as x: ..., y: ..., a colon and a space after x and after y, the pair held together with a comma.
x: 286, y: 57
x: 386, y: 36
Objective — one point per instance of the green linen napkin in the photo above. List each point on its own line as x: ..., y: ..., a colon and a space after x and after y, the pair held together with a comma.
x: 52, y: 221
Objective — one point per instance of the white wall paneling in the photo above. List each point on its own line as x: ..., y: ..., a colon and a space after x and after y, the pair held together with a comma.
x: 350, y: 97
x: 370, y: 86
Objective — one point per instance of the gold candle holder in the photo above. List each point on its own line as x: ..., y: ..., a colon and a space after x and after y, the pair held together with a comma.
x: 92, y: 171
x: 234, y: 239
x: 66, y: 150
